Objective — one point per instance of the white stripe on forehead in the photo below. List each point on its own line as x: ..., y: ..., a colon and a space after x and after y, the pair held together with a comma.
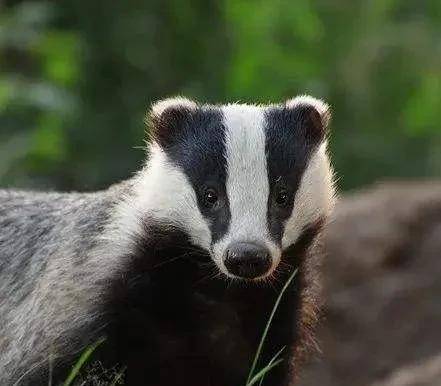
x: 247, y: 183
x: 247, y: 176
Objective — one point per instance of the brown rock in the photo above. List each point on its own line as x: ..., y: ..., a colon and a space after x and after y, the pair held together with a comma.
x: 382, y: 322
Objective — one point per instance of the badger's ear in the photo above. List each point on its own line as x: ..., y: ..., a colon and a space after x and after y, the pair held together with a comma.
x: 167, y: 118
x: 314, y: 115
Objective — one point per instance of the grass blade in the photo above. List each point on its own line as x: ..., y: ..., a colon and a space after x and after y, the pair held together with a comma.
x: 273, y: 359
x: 262, y: 372
x: 83, y: 358
x: 268, y: 324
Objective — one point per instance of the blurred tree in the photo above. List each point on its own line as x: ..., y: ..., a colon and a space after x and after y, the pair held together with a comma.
x: 378, y: 63
x: 76, y: 78
x: 73, y: 108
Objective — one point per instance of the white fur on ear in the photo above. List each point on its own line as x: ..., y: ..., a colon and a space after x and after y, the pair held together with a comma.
x: 176, y: 102
x: 322, y: 107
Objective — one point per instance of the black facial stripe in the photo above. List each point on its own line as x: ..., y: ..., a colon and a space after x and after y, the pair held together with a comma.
x: 199, y: 149
x: 309, y: 233
x: 288, y: 150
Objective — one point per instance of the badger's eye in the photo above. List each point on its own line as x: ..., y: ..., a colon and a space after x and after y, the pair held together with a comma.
x: 282, y: 197
x: 210, y: 197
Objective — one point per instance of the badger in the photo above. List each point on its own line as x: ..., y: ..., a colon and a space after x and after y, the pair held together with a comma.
x: 179, y: 266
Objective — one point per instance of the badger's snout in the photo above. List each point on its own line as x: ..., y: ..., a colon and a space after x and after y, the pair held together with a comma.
x: 247, y: 260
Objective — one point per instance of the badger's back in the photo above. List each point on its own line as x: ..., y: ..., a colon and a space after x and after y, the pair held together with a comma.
x: 45, y: 267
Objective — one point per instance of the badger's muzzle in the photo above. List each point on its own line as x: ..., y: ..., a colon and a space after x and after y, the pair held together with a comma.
x: 247, y: 260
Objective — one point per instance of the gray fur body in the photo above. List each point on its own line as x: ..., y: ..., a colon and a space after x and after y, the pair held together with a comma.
x: 51, y: 271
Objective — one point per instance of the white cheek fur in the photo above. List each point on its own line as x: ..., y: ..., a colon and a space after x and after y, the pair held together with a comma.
x: 314, y: 198
x: 163, y: 192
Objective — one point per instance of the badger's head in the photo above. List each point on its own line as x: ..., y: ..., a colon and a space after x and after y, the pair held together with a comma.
x: 241, y: 181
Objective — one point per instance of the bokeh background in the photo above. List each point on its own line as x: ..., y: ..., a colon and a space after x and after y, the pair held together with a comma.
x: 76, y: 78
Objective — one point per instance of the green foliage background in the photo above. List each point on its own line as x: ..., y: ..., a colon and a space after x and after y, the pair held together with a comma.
x: 76, y: 78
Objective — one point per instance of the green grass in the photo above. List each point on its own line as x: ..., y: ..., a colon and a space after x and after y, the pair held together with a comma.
x: 81, y: 361
x: 253, y: 377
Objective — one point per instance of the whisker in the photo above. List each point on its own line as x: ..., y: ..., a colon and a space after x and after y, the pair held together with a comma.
x: 209, y: 276
x: 160, y: 264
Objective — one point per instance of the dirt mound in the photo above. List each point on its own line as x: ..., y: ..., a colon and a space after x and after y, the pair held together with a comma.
x: 382, y: 323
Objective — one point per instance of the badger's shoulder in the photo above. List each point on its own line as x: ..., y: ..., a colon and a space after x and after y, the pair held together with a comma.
x: 35, y: 225
x: 46, y: 244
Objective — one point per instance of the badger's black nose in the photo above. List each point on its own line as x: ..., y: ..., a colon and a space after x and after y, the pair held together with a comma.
x: 247, y: 260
